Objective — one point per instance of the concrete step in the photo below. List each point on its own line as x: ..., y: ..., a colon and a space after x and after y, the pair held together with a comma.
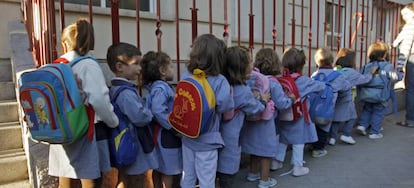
x: 5, y: 70
x: 17, y: 184
x: 8, y: 111
x: 10, y: 136
x: 8, y: 90
x: 13, y: 165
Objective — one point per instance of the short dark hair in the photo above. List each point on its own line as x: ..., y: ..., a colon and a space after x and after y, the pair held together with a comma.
x: 207, y: 54
x: 268, y: 62
x: 235, y: 65
x: 151, y: 63
x: 377, y: 51
x: 346, y: 58
x: 120, y: 52
x: 294, y: 59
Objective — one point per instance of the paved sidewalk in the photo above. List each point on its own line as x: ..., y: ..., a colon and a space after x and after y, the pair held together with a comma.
x: 382, y: 163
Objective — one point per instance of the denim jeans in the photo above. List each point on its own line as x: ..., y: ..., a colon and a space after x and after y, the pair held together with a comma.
x: 348, y: 125
x: 322, y: 139
x: 372, y: 114
x: 409, y: 90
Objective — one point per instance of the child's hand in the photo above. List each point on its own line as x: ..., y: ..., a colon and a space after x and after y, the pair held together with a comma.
x: 293, y: 97
x: 265, y: 97
x: 374, y: 69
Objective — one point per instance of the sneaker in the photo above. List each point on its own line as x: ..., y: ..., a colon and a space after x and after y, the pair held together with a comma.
x: 266, y: 184
x: 319, y: 153
x: 332, y: 141
x: 276, y: 165
x: 375, y: 136
x: 347, y: 139
x: 300, y: 171
x: 362, y: 130
x: 253, y: 176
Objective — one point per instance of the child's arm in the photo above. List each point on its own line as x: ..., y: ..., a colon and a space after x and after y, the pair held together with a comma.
x: 159, y: 106
x: 249, y: 104
x: 390, y: 72
x: 133, y: 107
x: 341, y: 84
x: 356, y: 78
x: 306, y: 86
x: 224, y: 100
x: 96, y: 91
x: 281, y: 101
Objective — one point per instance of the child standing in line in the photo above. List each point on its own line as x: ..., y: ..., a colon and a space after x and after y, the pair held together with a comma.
x: 267, y: 61
x: 373, y: 113
x: 236, y: 69
x: 157, y: 69
x: 300, y: 131
x: 324, y: 61
x: 84, y: 159
x: 124, y: 61
x: 200, y: 155
x: 345, y: 111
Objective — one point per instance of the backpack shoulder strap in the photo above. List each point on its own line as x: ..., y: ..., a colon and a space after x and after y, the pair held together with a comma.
x: 331, y: 76
x: 80, y: 58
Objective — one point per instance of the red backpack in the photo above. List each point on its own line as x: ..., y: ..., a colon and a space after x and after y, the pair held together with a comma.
x: 299, y: 108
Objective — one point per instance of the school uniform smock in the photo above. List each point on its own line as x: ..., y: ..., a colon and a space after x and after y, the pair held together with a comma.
x: 245, y: 103
x: 300, y: 131
x: 132, y: 106
x: 345, y: 105
x: 338, y: 84
x: 168, y: 144
x: 81, y: 159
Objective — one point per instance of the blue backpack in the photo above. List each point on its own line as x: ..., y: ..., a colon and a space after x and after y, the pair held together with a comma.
x: 378, y: 89
x: 123, y: 145
x: 322, y: 103
x: 52, y: 104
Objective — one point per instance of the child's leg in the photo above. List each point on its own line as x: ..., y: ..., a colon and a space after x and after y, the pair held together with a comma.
x: 64, y: 182
x: 147, y: 179
x: 322, y: 139
x: 157, y: 178
x: 189, y: 177
x: 87, y: 183
x: 254, y: 160
x: 348, y: 125
x: 225, y: 180
x: 281, y: 152
x: 334, y: 130
x: 365, y: 117
x: 206, y: 167
x: 297, y: 154
x: 377, y: 118
x: 110, y: 178
x: 122, y: 179
x: 167, y: 181
x: 265, y: 167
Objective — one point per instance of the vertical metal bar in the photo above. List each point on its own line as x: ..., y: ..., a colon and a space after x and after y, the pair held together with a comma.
x: 177, y: 36
x: 381, y: 19
x: 238, y: 22
x: 350, y: 24
x: 158, y: 31
x: 115, y: 20
x: 332, y: 24
x: 194, y: 20
x: 345, y: 19
x: 372, y: 22
x: 210, y: 16
x: 362, y: 32
x: 301, y: 23
x: 318, y: 24
x: 52, y: 30
x: 283, y: 27
x: 310, y: 39
x: 366, y: 31
x: 62, y: 14
x: 138, y: 20
x: 251, y: 27
x: 226, y: 25
x: 325, y: 36
x: 338, y: 38
x: 293, y: 23
x: 90, y: 11
x: 396, y: 26
x: 274, y: 31
x: 263, y: 23
x: 356, y: 25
